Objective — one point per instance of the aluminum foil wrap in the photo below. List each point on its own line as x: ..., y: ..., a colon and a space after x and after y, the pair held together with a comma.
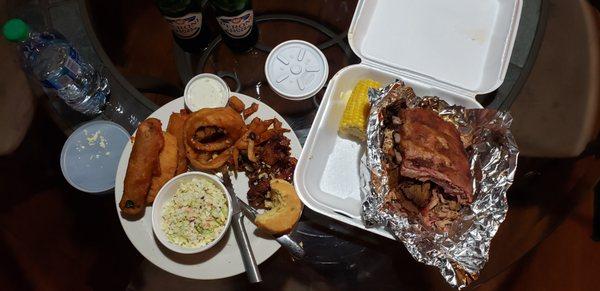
x: 462, y: 252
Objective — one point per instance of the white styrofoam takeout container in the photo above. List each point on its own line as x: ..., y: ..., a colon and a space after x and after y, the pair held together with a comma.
x: 451, y: 49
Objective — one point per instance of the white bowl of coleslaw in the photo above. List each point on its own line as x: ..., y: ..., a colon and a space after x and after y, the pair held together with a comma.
x: 191, y: 213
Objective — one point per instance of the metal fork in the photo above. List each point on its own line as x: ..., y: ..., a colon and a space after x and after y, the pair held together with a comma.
x: 237, y: 223
x: 285, y: 240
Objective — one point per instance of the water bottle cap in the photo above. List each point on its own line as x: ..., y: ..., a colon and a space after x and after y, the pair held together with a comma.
x: 15, y: 30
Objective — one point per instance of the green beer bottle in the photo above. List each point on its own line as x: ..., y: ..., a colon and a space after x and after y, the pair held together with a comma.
x: 236, y: 19
x: 187, y: 24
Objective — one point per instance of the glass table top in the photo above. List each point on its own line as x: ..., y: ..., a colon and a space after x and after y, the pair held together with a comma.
x: 338, y: 256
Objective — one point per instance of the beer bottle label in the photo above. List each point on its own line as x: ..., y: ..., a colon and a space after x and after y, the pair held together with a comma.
x: 187, y: 26
x: 237, y: 26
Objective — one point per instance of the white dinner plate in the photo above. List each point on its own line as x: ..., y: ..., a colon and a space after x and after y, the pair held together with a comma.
x: 223, y: 260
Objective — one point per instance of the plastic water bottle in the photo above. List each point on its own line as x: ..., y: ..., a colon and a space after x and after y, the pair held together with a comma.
x: 51, y: 59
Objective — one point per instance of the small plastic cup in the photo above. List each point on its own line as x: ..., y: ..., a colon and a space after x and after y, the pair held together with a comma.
x: 206, y: 91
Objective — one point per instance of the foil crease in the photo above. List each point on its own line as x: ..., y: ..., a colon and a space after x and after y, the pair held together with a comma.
x: 461, y: 253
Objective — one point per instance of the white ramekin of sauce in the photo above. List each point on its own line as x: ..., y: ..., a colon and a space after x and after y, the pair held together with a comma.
x: 205, y: 91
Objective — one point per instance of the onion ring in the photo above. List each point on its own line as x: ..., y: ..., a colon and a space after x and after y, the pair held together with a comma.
x: 224, y: 118
x: 204, y: 161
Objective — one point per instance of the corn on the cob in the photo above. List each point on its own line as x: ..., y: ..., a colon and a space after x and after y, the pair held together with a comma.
x: 354, y: 120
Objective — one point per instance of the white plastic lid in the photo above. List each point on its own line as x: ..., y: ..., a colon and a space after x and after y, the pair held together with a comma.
x: 460, y: 45
x: 90, y: 156
x: 296, y: 70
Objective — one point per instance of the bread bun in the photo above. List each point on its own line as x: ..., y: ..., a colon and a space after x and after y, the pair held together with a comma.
x: 285, y: 211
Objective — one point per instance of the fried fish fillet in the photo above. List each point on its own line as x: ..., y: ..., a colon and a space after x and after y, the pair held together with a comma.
x: 143, y: 164
x: 175, y: 127
x: 167, y: 160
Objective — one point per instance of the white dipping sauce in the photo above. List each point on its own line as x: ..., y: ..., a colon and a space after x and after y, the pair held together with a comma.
x: 205, y: 92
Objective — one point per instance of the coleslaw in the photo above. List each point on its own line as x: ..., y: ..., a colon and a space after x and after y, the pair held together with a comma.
x: 196, y: 215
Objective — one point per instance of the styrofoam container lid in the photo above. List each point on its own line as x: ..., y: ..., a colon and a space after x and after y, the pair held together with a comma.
x: 296, y: 69
x: 91, y: 154
x: 460, y: 45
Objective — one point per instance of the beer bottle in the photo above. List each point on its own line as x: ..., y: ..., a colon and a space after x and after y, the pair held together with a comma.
x: 236, y: 19
x: 185, y: 19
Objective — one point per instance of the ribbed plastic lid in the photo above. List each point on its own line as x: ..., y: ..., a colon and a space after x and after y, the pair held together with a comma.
x: 15, y: 30
x: 296, y: 70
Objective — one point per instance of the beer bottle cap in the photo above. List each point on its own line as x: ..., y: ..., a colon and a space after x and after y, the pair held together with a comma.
x: 296, y: 70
